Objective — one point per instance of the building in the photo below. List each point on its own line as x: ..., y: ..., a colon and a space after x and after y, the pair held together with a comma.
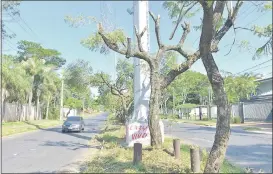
x: 265, y: 87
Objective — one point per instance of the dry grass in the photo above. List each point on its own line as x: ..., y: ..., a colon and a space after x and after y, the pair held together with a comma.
x: 116, y: 158
x: 10, y: 128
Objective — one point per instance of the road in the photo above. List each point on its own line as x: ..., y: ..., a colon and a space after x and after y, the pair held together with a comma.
x: 245, y: 149
x: 47, y: 150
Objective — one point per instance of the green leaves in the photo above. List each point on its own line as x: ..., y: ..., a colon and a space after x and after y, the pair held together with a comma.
x: 239, y: 87
x: 28, y: 49
x: 95, y: 43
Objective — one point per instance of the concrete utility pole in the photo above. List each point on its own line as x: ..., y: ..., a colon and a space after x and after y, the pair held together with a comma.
x: 141, y: 76
x: 209, y: 103
x: 61, y: 101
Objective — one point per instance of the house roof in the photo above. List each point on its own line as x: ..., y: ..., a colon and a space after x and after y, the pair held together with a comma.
x: 264, y: 80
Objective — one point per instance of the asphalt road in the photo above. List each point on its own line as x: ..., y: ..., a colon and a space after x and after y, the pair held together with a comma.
x: 47, y: 150
x: 245, y: 149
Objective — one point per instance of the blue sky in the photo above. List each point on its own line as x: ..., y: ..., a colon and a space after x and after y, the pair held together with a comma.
x: 46, y: 20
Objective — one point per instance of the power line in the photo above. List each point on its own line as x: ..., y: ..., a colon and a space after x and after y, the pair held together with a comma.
x: 253, y: 67
x: 261, y: 68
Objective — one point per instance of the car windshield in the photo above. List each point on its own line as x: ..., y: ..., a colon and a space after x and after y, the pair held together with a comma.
x: 73, y: 119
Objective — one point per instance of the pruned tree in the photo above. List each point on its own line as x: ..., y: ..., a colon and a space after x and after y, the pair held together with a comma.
x: 122, y: 87
x: 213, y: 29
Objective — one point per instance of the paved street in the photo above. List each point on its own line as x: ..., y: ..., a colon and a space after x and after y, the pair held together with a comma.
x: 47, y: 150
x: 245, y: 148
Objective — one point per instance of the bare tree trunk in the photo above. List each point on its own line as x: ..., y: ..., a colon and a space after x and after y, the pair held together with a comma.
x: 219, y: 147
x: 156, y: 137
x: 30, y: 100
x: 47, y: 108
x: 68, y: 112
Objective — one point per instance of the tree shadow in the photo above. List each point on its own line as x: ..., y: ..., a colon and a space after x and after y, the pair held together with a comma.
x: 70, y: 145
x: 258, y: 156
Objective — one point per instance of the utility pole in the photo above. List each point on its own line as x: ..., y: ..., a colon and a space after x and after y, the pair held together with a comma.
x: 61, y: 102
x: 209, y: 103
x: 173, y: 103
x: 83, y: 107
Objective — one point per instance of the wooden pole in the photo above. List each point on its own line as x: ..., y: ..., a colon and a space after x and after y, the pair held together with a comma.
x: 195, y: 160
x: 176, y: 148
x: 137, y: 153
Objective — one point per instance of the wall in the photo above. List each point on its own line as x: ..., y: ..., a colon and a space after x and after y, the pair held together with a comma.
x: 16, y: 112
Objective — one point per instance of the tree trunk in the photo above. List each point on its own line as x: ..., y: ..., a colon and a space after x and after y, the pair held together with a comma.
x: 155, y: 132
x: 30, y: 99
x: 68, y: 112
x: 47, y: 108
x: 38, y: 107
x: 219, y: 147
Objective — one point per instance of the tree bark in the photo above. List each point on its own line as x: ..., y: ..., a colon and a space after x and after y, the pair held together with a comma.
x: 219, y: 147
x: 155, y: 132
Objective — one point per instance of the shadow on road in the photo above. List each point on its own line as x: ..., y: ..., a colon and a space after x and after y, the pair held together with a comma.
x: 258, y: 156
x: 70, y: 145
x: 92, y: 126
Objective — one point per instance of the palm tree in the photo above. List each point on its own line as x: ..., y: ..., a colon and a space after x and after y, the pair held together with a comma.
x: 35, y: 67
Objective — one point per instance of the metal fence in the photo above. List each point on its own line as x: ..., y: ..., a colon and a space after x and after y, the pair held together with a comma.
x: 250, y: 111
x: 257, y: 111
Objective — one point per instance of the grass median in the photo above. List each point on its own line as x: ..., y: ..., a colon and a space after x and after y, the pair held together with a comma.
x: 10, y: 128
x: 114, y: 157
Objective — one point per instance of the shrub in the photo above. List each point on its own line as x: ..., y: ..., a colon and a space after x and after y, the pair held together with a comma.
x: 205, y: 119
x: 236, y: 120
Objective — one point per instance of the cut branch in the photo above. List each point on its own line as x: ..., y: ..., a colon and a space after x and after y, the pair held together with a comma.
x: 129, y: 51
x: 228, y: 24
x: 111, y: 45
x: 165, y: 81
x: 139, y: 38
x: 186, y: 29
x: 157, y: 29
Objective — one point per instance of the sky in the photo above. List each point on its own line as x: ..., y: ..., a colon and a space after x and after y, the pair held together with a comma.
x: 43, y: 22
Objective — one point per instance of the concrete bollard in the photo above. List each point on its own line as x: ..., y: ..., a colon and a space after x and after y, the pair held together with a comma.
x: 176, y: 148
x: 137, y: 153
x: 195, y: 160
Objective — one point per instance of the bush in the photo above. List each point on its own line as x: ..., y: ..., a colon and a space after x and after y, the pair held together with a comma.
x: 205, y: 119
x: 54, y: 113
x: 236, y: 120
x: 162, y: 116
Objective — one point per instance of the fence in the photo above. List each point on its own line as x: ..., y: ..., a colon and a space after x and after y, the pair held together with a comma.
x: 17, y: 112
x: 250, y: 111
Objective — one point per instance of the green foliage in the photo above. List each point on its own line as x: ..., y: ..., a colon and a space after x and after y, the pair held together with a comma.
x: 14, y: 79
x: 176, y: 8
x: 28, y: 49
x: 77, y: 76
x: 73, y: 103
x: 239, y: 87
x: 95, y: 43
x: 10, y: 9
x: 236, y: 120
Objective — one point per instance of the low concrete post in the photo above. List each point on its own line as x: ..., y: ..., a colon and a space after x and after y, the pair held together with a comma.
x: 176, y: 148
x: 195, y: 159
x: 137, y: 153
